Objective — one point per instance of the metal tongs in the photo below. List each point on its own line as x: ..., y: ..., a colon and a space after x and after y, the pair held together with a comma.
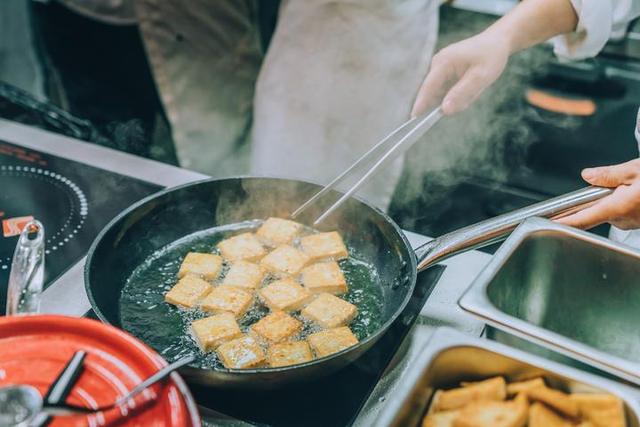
x: 394, y: 144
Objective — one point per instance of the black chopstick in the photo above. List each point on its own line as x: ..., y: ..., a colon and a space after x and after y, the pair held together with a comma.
x: 61, y: 387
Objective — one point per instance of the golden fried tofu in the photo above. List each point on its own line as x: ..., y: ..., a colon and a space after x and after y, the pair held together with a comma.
x: 440, y: 419
x: 523, y: 386
x: 289, y: 353
x: 276, y: 327
x: 491, y: 389
x: 487, y: 413
x: 244, y: 274
x: 227, y: 299
x: 241, y: 353
x: 284, y: 295
x: 600, y: 409
x: 329, y: 311
x: 331, y: 341
x: 285, y: 259
x: 245, y: 246
x: 324, y: 246
x: 188, y: 291
x: 555, y: 399
x: 212, y: 331
x: 324, y: 277
x: 541, y: 416
x: 207, y: 266
x: 278, y: 231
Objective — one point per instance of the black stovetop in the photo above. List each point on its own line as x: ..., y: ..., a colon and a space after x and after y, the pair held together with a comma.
x: 72, y: 200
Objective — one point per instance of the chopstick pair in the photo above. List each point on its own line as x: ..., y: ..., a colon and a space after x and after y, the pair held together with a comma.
x: 390, y: 147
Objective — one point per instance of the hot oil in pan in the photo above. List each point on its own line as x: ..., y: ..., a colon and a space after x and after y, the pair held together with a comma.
x: 165, y: 327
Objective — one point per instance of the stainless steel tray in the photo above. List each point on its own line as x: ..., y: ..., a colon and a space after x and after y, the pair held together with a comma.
x: 567, y: 290
x: 450, y: 357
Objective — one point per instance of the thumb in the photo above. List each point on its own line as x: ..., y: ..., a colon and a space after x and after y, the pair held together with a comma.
x: 612, y: 176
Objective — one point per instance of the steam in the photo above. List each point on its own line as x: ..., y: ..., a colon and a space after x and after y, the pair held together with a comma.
x: 480, y: 141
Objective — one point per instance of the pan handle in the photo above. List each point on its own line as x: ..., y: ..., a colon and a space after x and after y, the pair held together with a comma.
x: 498, y: 228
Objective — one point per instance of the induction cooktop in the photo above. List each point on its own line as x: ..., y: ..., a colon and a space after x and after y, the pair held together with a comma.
x: 72, y: 200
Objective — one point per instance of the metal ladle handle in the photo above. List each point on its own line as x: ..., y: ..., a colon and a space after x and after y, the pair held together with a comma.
x: 161, y: 374
x: 498, y: 228
x: 27, y: 271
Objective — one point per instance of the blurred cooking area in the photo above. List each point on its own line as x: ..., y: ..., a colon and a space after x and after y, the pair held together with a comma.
x: 138, y: 138
x: 522, y: 142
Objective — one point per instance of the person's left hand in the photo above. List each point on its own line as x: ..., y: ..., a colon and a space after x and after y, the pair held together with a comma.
x: 622, y: 208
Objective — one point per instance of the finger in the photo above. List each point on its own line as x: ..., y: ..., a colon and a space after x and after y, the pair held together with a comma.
x: 612, y: 176
x: 590, y: 217
x: 464, y: 92
x: 433, y: 89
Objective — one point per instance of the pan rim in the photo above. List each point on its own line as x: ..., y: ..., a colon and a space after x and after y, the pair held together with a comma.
x: 253, y: 371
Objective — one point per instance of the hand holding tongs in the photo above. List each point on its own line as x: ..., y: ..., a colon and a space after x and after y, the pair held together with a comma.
x: 394, y: 144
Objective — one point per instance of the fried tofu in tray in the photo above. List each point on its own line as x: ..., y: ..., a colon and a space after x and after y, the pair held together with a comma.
x: 284, y: 268
x: 494, y: 403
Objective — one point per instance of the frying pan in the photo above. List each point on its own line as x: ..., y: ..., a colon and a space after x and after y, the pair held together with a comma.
x: 169, y: 215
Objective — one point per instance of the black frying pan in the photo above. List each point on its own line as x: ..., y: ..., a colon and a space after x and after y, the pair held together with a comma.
x: 171, y: 214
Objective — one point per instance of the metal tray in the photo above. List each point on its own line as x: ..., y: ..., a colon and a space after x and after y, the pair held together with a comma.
x: 566, y: 290
x: 451, y: 357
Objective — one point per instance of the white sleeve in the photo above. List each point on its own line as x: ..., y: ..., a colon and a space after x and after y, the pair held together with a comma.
x: 598, y: 20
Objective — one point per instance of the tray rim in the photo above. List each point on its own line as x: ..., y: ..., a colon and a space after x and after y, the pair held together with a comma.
x: 446, y: 338
x: 476, y: 302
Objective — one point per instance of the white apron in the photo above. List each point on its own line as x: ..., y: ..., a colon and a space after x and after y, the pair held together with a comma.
x: 338, y: 76
x: 205, y: 56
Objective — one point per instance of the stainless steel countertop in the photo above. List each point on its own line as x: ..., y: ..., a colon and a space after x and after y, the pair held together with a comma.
x: 67, y: 296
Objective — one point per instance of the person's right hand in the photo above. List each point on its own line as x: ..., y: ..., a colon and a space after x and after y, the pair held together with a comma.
x: 461, y: 72
x: 622, y: 207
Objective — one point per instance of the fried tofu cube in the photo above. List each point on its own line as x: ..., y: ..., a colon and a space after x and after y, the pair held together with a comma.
x: 278, y: 231
x: 289, y: 353
x: 541, y: 416
x: 284, y: 295
x: 244, y: 274
x: 555, y: 399
x: 440, y: 419
x: 188, y: 291
x: 207, y: 266
x: 244, y: 246
x: 600, y: 409
x: 277, y: 327
x: 227, y: 299
x: 241, y: 353
x: 494, y: 414
x: 491, y: 389
x: 324, y: 277
x: 324, y: 246
x: 523, y: 386
x: 329, y: 311
x: 212, y: 331
x: 285, y: 259
x: 331, y: 341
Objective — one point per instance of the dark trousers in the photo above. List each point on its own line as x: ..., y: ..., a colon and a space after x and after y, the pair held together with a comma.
x: 99, y: 72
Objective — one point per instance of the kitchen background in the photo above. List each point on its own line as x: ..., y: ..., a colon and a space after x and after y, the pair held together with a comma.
x: 526, y: 140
